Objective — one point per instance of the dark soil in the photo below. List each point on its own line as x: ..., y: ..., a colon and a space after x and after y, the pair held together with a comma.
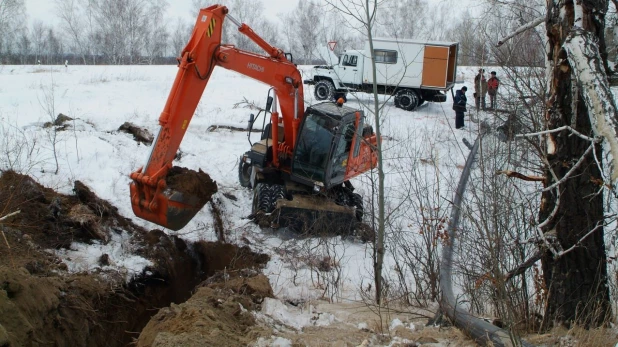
x: 140, y: 134
x: 60, y: 122
x: 190, y: 182
x: 53, y: 220
x: 42, y: 304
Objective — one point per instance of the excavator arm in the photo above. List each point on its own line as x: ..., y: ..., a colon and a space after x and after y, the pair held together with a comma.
x: 151, y: 199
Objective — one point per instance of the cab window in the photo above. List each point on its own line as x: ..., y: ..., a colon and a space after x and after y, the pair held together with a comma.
x: 350, y: 60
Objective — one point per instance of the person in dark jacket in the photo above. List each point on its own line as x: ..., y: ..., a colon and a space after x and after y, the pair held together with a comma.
x: 459, y: 106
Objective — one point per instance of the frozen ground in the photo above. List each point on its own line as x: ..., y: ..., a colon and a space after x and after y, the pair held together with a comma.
x: 101, y: 98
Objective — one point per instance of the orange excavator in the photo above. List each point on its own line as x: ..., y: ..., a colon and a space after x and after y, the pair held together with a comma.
x: 300, y: 169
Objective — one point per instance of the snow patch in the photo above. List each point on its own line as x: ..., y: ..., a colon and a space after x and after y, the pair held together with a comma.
x: 273, y: 342
x: 395, y: 323
x: 85, y: 258
x: 293, y: 317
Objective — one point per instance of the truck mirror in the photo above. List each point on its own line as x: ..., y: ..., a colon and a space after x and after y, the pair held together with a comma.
x: 250, y: 125
x: 269, y: 103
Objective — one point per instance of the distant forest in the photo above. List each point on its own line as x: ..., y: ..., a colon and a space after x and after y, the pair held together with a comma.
x: 140, y: 31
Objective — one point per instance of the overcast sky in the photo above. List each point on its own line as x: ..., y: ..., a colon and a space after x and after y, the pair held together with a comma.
x: 44, y: 9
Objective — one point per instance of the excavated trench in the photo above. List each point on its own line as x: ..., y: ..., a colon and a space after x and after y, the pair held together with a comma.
x: 42, y: 303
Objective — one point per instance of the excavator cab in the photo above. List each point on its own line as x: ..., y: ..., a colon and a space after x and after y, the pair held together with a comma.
x: 325, y: 139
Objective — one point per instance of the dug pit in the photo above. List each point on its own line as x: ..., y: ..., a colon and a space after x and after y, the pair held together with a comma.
x: 42, y: 303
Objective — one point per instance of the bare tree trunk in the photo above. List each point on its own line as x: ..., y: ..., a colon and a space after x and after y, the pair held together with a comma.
x: 379, y: 241
x: 576, y: 281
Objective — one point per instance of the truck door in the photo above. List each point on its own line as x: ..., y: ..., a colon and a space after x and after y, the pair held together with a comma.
x: 349, y: 72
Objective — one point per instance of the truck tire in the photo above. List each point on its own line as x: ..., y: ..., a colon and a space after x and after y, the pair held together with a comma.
x: 324, y: 90
x: 276, y: 192
x: 406, y: 99
x: 244, y: 173
x: 261, y: 200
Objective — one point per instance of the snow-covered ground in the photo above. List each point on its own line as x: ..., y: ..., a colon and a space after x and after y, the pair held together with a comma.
x: 101, y: 98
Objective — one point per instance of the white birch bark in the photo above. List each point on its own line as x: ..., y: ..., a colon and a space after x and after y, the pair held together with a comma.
x: 585, y: 60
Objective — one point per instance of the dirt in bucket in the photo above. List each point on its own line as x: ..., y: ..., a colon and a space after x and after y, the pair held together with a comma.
x: 190, y: 182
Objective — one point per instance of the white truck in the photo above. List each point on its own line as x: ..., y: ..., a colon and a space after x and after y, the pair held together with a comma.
x: 412, y: 71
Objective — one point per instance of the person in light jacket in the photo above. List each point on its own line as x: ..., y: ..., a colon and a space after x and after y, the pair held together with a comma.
x: 480, y: 89
x: 459, y: 106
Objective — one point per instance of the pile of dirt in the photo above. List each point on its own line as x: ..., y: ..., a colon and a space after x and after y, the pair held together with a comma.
x: 42, y: 303
x: 51, y: 220
x: 61, y: 122
x: 140, y: 134
x: 190, y: 182
x: 218, y: 314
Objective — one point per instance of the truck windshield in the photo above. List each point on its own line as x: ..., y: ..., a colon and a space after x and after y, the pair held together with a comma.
x: 313, y: 147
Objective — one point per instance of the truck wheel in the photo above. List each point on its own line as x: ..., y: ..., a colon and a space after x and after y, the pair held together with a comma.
x: 324, y: 90
x: 276, y: 192
x: 260, y: 199
x: 406, y: 99
x: 244, y: 173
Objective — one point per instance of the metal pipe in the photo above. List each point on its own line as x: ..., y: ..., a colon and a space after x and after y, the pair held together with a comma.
x: 481, y: 331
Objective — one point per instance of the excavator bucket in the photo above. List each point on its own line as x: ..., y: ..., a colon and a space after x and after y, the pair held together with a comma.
x: 173, y: 201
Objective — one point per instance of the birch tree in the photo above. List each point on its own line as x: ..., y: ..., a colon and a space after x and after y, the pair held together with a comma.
x: 394, y: 19
x: 74, y: 27
x: 305, y: 22
x: 11, y: 22
x: 180, y: 36
x: 571, y: 215
x: 156, y: 36
x: 38, y: 40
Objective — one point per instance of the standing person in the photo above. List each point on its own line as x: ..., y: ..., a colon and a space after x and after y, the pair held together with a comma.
x: 492, y: 89
x: 459, y: 106
x: 480, y: 89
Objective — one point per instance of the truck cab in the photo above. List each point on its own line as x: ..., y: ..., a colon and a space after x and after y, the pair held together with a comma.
x: 411, y: 71
x: 350, y: 68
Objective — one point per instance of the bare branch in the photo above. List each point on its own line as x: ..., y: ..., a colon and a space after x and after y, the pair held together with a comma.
x: 4, y: 236
x: 521, y: 29
x: 579, y: 241
x: 566, y: 127
x: 521, y: 268
x: 568, y: 174
x: 515, y: 174
x: 10, y: 215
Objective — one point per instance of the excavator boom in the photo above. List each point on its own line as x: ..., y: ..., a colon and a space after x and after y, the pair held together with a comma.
x: 311, y: 171
x: 151, y: 198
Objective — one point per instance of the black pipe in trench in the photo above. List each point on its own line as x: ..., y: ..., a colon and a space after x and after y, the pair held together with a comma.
x: 481, y: 331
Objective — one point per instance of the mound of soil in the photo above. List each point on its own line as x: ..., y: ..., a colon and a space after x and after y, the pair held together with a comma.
x: 190, y: 182
x: 41, y: 303
x: 52, y: 220
x: 216, y: 315
x: 140, y: 134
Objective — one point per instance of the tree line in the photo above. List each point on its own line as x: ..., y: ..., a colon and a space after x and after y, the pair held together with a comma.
x: 123, y: 32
